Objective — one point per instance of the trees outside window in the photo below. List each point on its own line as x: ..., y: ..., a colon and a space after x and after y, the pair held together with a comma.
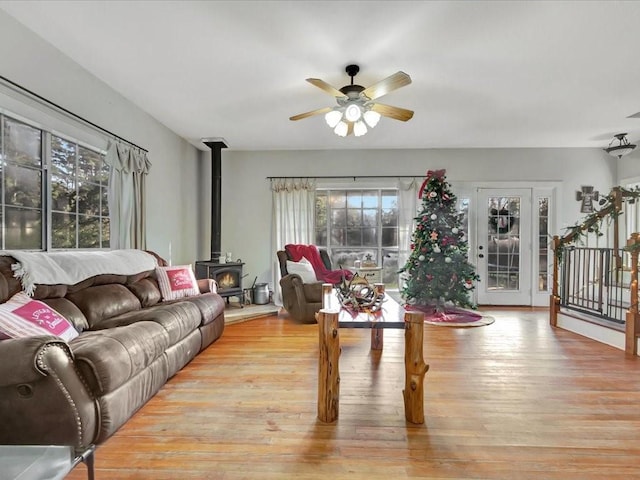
x: 54, y: 191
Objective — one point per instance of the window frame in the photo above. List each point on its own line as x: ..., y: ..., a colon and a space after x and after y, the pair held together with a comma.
x: 46, y: 187
x: 379, y: 249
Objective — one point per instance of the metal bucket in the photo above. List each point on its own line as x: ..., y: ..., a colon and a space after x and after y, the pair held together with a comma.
x: 261, y: 294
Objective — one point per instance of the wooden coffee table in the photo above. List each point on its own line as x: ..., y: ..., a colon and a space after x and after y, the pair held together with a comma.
x: 391, y: 315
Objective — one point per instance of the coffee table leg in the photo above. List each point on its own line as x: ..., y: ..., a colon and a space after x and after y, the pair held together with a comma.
x: 377, y: 338
x: 415, y: 368
x: 328, y: 373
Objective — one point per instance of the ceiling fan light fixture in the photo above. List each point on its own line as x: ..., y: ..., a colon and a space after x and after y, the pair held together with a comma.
x: 341, y: 129
x: 371, y: 118
x: 353, y: 112
x: 333, y: 117
x: 623, y: 148
x: 359, y: 128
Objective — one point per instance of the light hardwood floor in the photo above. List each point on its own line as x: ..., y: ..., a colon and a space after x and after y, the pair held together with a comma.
x: 513, y: 400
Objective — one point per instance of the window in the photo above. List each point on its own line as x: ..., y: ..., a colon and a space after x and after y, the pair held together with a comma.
x: 53, y: 193
x: 357, y: 225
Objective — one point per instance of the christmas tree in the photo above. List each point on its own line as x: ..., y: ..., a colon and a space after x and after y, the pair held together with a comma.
x: 438, y: 270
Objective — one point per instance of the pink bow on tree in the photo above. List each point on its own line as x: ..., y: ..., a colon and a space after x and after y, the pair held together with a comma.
x: 437, y: 174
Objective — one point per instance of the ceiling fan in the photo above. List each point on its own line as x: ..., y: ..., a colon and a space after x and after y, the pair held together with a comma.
x: 357, y: 107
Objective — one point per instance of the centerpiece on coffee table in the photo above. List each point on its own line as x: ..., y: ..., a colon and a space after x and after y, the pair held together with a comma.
x: 358, y: 295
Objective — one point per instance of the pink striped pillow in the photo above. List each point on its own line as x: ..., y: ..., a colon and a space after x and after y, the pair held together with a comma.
x: 177, y: 282
x: 21, y: 316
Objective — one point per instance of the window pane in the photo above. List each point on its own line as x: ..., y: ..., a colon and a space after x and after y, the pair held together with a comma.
x: 370, y: 218
x: 63, y: 230
x: 390, y: 217
x: 354, y: 237
x: 105, y: 202
x: 89, y: 199
x: 369, y: 237
x: 321, y: 210
x: 370, y: 200
x: 22, y: 143
x: 23, y: 229
x: 63, y: 193
x: 22, y: 187
x: 389, y: 237
x: 90, y: 166
x: 354, y: 217
x: 354, y: 199
x: 390, y: 199
x: 63, y: 157
x: 321, y: 238
x: 338, y: 218
x: 338, y: 199
x: 338, y: 236
x: 106, y: 233
x: 89, y: 231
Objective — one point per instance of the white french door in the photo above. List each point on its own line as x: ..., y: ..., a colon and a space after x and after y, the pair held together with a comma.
x: 504, y: 246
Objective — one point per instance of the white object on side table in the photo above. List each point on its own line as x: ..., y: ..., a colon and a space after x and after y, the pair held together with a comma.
x: 371, y: 274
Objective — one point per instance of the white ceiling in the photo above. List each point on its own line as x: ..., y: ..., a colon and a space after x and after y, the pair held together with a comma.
x: 485, y: 74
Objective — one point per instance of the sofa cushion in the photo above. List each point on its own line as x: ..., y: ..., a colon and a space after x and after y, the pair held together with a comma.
x: 177, y: 282
x: 21, y: 317
x: 103, y: 302
x: 147, y: 291
x: 109, y: 358
x: 210, y: 305
x: 178, y: 319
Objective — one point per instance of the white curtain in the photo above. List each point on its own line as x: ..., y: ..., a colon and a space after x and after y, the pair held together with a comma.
x: 407, y: 210
x: 292, y: 219
x: 128, y: 169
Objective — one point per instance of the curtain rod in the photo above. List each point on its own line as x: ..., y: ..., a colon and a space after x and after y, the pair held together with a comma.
x: 348, y: 176
x: 70, y: 113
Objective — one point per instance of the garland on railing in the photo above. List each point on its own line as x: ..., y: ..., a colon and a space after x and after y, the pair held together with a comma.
x: 592, y: 223
x: 611, y: 208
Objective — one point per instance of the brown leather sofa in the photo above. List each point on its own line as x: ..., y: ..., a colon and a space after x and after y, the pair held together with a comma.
x: 301, y: 300
x: 79, y: 393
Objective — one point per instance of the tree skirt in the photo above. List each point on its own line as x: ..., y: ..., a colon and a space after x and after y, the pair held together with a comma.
x: 451, y: 316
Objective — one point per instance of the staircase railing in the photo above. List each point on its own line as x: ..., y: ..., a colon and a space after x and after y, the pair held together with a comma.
x: 592, y: 224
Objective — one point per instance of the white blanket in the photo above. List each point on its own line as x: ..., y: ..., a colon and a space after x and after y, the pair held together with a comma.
x: 69, y: 268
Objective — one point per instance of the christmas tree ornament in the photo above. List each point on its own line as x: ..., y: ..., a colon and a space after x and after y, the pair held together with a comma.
x: 433, y: 216
x: 447, y: 259
x: 421, y: 258
x: 436, y: 249
x: 454, y: 230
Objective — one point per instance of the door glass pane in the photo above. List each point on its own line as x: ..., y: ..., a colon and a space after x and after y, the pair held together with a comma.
x: 503, y: 243
x: 543, y: 243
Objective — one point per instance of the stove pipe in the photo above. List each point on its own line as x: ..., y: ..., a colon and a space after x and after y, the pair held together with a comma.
x: 216, y: 145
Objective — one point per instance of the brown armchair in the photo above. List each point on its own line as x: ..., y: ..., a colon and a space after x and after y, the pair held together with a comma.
x: 301, y: 300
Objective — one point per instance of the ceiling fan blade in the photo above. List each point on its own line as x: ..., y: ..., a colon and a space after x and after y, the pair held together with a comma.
x: 326, y: 87
x: 396, y: 113
x: 349, y: 128
x: 389, y: 84
x: 318, y: 111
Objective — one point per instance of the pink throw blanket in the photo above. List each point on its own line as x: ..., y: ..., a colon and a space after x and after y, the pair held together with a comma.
x: 311, y: 253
